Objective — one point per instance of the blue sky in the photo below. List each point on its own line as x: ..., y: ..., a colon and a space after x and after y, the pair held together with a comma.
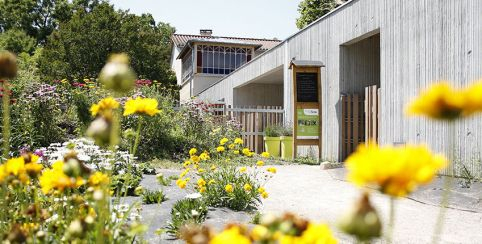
x: 243, y: 18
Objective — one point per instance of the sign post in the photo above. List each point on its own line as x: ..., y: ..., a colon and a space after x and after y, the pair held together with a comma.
x: 306, y: 104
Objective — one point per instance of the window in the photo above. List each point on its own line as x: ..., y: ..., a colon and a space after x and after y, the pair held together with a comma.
x: 187, y: 66
x: 221, y: 60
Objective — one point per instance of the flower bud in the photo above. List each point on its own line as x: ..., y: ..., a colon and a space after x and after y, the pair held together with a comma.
x: 139, y: 190
x: 8, y: 65
x: 362, y: 221
x: 117, y: 75
x: 72, y: 168
x: 99, y: 130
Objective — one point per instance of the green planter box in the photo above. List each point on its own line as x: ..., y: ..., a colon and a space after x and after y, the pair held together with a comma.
x: 272, y: 145
x: 287, y: 147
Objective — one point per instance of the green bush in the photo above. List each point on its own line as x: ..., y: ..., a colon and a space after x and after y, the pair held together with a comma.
x: 273, y: 131
x: 185, y: 212
x: 240, y: 198
x: 151, y: 197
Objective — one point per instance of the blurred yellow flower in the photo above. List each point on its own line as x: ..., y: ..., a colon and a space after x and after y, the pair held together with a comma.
x: 201, y: 182
x: 440, y: 101
x: 238, y: 141
x: 246, y: 151
x: 192, y: 151
x: 242, y: 169
x: 271, y: 170
x: 186, y: 163
x: 395, y: 171
x: 261, y: 190
x: 260, y: 163
x: 265, y: 154
x: 181, y: 183
x: 211, y: 182
x: 232, y: 236
x: 247, y: 187
x: 264, y: 195
x: 202, y: 189
x: 473, y: 96
x: 15, y: 166
x: 147, y: 106
x: 220, y: 149
x: 195, y: 158
x: 314, y: 233
x: 231, y: 146
x: 259, y: 232
x: 55, y: 178
x: 236, y: 152
x: 104, y: 105
x: 183, y: 173
x: 204, y: 156
x: 229, y: 188
x: 223, y: 141
x: 98, y: 178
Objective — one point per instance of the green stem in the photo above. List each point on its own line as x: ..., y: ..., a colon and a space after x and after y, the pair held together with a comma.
x: 391, y: 221
x: 447, y: 184
x: 6, y: 119
x: 138, y: 135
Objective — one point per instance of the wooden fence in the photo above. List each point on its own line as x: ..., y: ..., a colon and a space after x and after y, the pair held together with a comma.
x: 360, y: 119
x: 253, y: 121
x: 353, y: 121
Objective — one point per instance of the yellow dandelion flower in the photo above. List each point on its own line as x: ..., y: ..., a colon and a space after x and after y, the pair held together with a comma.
x: 147, y: 106
x: 246, y: 151
x: 202, y: 189
x: 261, y: 190
x: 260, y: 163
x: 186, y: 163
x: 55, y: 179
x: 181, y: 183
x: 15, y: 166
x: 265, y: 154
x: 104, y: 105
x: 271, y: 170
x: 204, y: 156
x: 220, y: 149
x: 242, y: 169
x: 247, y: 187
x: 193, y: 151
x: 223, y: 141
x: 231, y: 146
x: 195, y: 158
x: 440, y: 101
x: 238, y: 141
x: 229, y: 188
x: 264, y: 195
x: 395, y: 171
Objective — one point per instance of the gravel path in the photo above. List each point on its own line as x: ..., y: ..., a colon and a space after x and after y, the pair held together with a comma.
x: 323, y: 195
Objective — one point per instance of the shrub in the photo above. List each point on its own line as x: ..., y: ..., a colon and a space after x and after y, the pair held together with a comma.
x: 151, y: 197
x: 186, y: 212
x: 273, y: 131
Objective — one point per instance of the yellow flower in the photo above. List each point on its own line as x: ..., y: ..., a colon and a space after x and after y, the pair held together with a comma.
x: 33, y: 168
x: 213, y: 167
x: 315, y: 233
x: 247, y: 187
x: 395, y: 171
x: 195, y: 159
x: 183, y: 173
x: 181, y: 183
x: 265, y: 154
x: 238, y: 141
x: 211, y: 182
x: 440, y: 101
x: 220, y: 149
x: 201, y: 182
x: 223, y: 141
x: 202, y: 189
x: 104, y: 105
x: 260, y: 163
x: 15, y: 166
x: 473, y: 96
x: 232, y: 236
x: 259, y: 233
x: 246, y: 151
x: 193, y: 151
x: 55, y: 179
x: 201, y: 170
x: 147, y: 106
x: 229, y: 188
x: 98, y: 178
x: 186, y: 163
x: 261, y: 190
x: 271, y: 170
x: 204, y: 156
x: 242, y: 169
x: 236, y: 152
x: 231, y: 146
x: 264, y: 195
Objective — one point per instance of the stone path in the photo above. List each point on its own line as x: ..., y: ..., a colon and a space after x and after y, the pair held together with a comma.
x: 323, y: 195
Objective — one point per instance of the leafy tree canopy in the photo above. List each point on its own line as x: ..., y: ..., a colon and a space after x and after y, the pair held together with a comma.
x: 311, y: 10
x: 17, y: 41
x: 81, y: 46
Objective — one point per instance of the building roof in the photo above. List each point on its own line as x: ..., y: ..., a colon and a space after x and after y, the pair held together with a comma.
x: 180, y: 40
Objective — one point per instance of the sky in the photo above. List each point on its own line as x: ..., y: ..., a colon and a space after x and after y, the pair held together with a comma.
x: 240, y: 18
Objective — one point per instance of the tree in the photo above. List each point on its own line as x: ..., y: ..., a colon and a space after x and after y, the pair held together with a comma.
x: 17, y: 41
x: 81, y: 46
x: 311, y: 10
x: 38, y: 18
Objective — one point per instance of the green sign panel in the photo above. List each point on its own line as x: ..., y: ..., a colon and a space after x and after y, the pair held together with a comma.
x: 308, y: 126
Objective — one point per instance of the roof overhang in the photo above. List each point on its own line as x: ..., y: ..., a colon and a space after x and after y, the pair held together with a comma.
x: 226, y: 42
x: 306, y: 64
